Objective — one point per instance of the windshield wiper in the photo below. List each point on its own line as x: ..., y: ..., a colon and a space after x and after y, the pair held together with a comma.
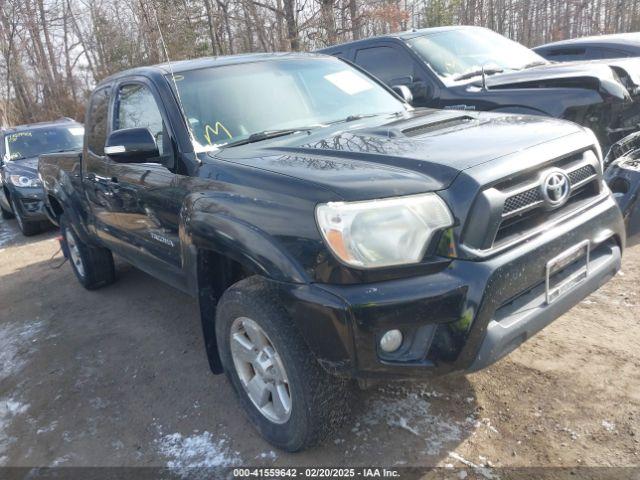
x: 477, y: 73
x: 359, y: 116
x: 537, y: 63
x: 264, y: 135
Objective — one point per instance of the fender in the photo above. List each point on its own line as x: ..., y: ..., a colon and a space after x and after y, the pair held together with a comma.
x: 233, y: 239
x: 61, y: 188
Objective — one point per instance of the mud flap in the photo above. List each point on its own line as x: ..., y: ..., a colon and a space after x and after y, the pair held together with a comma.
x: 623, y: 178
x: 63, y: 246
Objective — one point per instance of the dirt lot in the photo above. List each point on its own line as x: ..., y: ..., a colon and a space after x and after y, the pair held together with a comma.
x: 119, y: 377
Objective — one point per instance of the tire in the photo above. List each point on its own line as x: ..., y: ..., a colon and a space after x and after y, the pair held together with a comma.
x: 5, y: 214
x: 92, y: 265
x: 27, y: 228
x: 318, y: 400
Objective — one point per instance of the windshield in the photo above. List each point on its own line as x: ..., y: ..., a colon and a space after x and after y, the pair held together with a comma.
x: 38, y: 141
x: 230, y: 103
x: 453, y: 53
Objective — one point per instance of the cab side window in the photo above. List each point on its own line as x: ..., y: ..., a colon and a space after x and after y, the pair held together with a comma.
x: 391, y: 65
x: 567, y: 54
x: 603, y: 52
x: 97, y: 120
x: 136, y: 107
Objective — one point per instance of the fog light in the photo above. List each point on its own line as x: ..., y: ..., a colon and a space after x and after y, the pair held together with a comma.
x: 391, y: 341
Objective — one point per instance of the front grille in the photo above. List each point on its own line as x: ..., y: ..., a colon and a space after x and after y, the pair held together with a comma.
x: 516, y: 207
x: 581, y: 174
x: 522, y: 200
x: 512, y: 228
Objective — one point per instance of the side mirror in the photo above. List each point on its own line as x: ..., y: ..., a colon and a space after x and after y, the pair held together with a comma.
x: 404, y: 92
x: 131, y: 145
x: 422, y: 91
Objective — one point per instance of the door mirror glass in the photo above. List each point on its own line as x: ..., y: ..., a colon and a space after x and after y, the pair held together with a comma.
x: 131, y: 145
x: 421, y: 91
x: 404, y: 92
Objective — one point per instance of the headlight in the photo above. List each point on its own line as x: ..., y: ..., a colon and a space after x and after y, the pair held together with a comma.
x: 382, y: 233
x: 22, y: 181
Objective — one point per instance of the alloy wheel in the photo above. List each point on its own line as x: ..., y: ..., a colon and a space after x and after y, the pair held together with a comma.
x: 74, y: 252
x: 260, y: 370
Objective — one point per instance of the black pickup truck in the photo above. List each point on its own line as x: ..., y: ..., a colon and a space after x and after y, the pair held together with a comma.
x: 329, y: 231
x: 474, y: 68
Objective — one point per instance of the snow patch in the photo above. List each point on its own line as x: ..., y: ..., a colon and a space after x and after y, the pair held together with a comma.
x: 49, y: 428
x: 9, y: 410
x: 479, y: 469
x: 200, y: 451
x: 270, y: 455
x: 410, y: 411
x: 16, y: 341
x: 7, y: 234
x: 608, y: 426
x: 60, y: 460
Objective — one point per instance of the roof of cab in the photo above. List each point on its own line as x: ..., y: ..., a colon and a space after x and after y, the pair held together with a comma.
x: 632, y: 38
x: 414, y: 32
x: 205, y: 62
x: 29, y: 126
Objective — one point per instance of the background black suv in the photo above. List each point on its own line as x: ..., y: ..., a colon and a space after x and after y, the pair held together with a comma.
x: 21, y: 193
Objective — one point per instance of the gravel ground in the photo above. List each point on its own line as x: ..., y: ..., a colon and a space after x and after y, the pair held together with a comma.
x: 118, y: 377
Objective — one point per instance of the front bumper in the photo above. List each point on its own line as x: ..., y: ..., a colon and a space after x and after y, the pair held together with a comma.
x: 30, y: 203
x: 463, y: 318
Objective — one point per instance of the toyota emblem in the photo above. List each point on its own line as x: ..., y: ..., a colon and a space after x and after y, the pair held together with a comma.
x: 556, y: 188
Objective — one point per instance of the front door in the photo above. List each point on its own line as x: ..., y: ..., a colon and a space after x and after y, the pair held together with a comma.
x: 150, y: 200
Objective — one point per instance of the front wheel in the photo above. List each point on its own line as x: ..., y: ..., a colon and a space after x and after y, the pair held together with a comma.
x: 285, y: 392
x: 92, y: 265
x: 26, y: 227
x: 6, y: 215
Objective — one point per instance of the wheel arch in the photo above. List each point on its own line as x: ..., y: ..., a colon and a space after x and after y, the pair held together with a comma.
x: 222, y: 251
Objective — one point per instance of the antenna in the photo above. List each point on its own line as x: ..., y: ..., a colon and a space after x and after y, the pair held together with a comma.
x: 173, y: 77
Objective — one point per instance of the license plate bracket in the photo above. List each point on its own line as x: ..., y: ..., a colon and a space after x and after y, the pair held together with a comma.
x: 572, y: 267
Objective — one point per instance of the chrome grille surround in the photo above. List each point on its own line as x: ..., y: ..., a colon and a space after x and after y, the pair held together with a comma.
x: 515, y: 208
x: 527, y: 196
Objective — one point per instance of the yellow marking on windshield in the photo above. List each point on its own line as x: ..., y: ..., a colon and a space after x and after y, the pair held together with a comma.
x: 14, y: 136
x: 208, y: 130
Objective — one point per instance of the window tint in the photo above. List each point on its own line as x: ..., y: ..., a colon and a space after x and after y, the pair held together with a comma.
x: 136, y: 108
x: 566, y: 54
x: 603, y: 52
x: 97, y: 121
x: 387, y: 63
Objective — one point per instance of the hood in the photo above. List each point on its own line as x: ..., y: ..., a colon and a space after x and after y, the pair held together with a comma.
x: 424, y: 151
x: 27, y: 167
x: 627, y: 70
x: 586, y: 75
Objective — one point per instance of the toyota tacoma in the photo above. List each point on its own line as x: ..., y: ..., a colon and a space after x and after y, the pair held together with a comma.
x: 331, y: 232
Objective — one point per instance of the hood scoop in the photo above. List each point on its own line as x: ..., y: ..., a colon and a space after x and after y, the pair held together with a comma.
x: 437, y: 126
